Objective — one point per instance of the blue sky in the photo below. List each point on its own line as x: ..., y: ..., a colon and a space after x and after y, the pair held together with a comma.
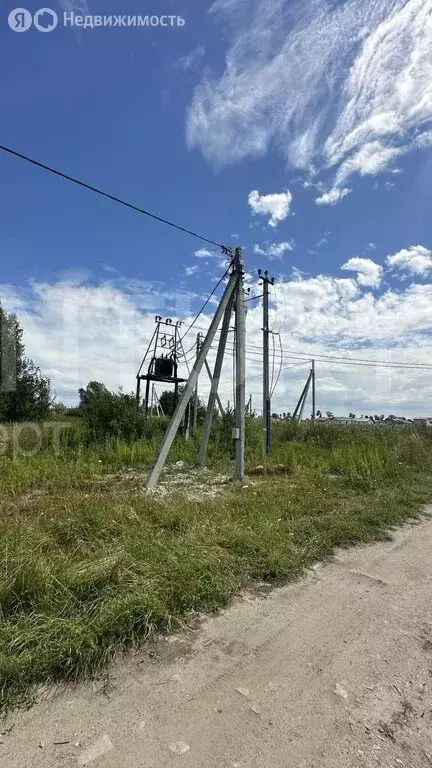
x: 303, y: 135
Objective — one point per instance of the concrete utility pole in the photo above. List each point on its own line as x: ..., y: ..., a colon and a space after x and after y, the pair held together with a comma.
x: 215, y: 384
x: 308, y: 383
x: 266, y: 362
x: 240, y: 372
x: 313, y: 393
x: 233, y: 291
x: 207, y: 367
x: 298, y: 412
x: 195, y: 414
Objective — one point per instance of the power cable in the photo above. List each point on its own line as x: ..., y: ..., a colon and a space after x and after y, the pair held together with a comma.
x: 280, y: 367
x: 253, y: 351
x: 339, y: 358
x: 115, y: 199
x: 209, y: 297
x: 359, y: 359
x: 273, y: 362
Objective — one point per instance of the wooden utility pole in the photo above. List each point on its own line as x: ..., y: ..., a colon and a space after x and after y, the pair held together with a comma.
x: 233, y: 291
x: 266, y: 362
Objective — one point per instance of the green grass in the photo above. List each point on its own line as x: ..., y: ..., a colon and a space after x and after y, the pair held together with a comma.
x: 90, y: 564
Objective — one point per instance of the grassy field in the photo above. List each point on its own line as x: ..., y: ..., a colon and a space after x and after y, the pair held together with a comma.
x: 91, y: 564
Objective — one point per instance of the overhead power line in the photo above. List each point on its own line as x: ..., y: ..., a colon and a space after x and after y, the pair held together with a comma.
x: 255, y: 350
x: 102, y: 193
x: 256, y: 356
x: 209, y: 297
x: 339, y: 358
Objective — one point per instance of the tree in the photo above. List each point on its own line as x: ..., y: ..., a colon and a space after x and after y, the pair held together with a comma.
x: 167, y: 401
x: 109, y: 413
x: 352, y: 416
x: 25, y: 394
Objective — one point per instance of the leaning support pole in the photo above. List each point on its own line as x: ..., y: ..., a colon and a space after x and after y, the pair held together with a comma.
x: 308, y: 383
x: 214, y: 385
x: 218, y: 400
x: 240, y: 373
x: 179, y: 412
x: 299, y: 404
x: 195, y: 413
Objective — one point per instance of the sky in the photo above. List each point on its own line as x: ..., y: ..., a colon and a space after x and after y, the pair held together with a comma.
x: 299, y: 131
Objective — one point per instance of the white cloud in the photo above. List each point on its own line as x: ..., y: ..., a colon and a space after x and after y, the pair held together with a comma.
x: 189, y: 271
x: 388, y: 93
x: 333, y: 196
x: 345, y: 85
x: 275, y: 205
x: 368, y: 272
x: 204, y: 253
x: 67, y: 325
x: 108, y: 268
x: 192, y: 58
x: 321, y: 242
x: 274, y: 250
x: 78, y: 6
x: 370, y: 159
x: 416, y: 260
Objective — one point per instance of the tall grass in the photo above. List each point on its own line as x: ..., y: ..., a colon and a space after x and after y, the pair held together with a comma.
x: 91, y: 564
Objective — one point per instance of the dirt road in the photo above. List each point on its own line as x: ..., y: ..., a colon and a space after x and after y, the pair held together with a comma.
x: 334, y: 671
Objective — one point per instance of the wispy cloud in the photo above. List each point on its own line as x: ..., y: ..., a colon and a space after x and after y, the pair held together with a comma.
x: 189, y: 271
x: 333, y: 196
x: 204, y: 253
x: 109, y: 268
x: 192, y: 59
x: 346, y: 86
x: 274, y: 250
x: 78, y: 6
